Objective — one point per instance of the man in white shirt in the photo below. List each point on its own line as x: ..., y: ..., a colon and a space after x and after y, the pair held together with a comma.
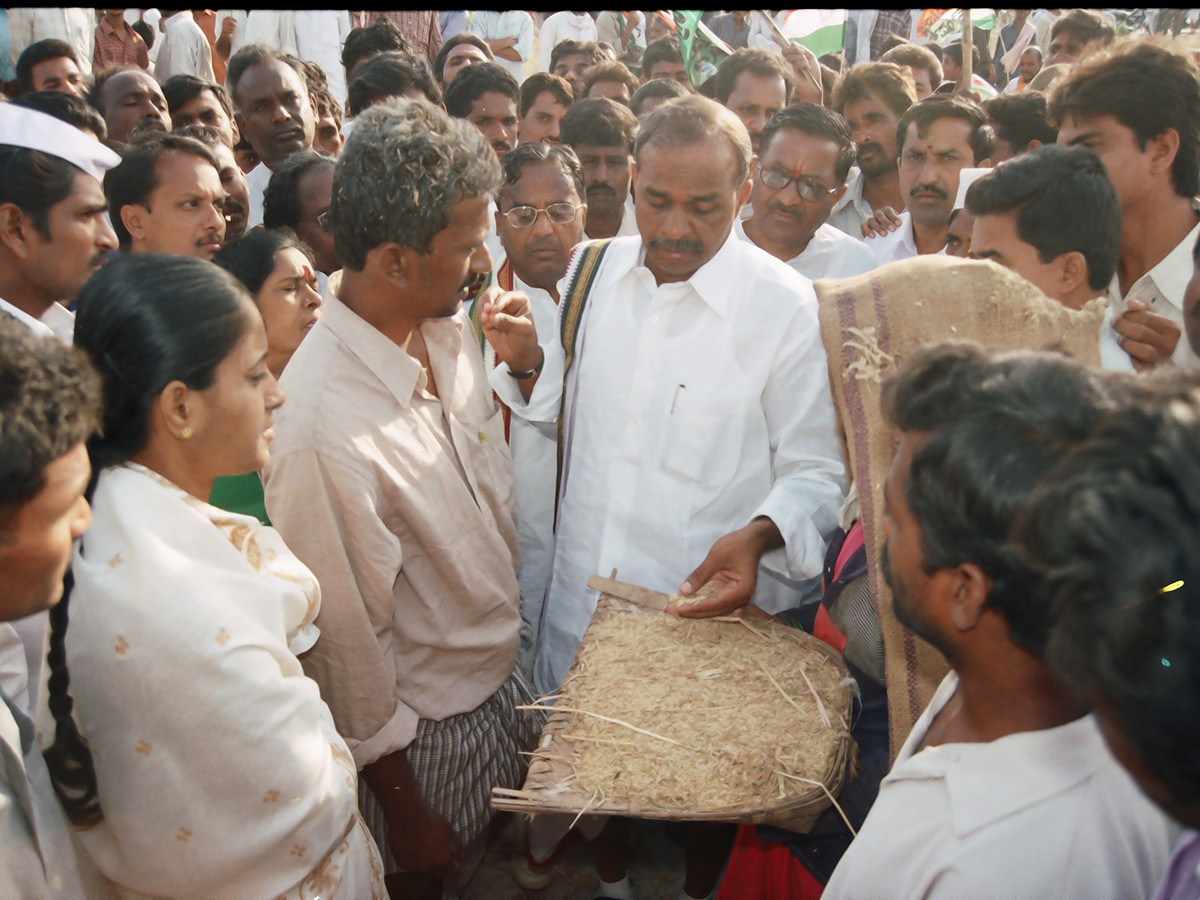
x: 274, y: 112
x: 601, y: 133
x: 75, y: 25
x: 668, y: 462
x: 320, y: 34
x: 185, y: 49
x: 1115, y: 105
x: 510, y: 35
x: 563, y: 26
x: 872, y: 98
x: 805, y: 154
x: 941, y: 136
x: 1005, y: 753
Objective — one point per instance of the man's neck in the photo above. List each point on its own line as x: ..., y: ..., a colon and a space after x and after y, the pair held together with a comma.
x: 929, y: 238
x: 883, y: 190
x: 366, y: 300
x: 552, y: 289
x: 20, y: 295
x: 604, y: 223
x: 1149, y: 231
x: 785, y: 251
x: 1081, y: 296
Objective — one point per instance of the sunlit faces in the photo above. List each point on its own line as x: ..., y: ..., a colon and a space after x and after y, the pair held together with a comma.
x: 687, y: 198
x: 1031, y: 64
x: 36, y: 541
x: 783, y: 220
x: 611, y: 90
x: 58, y: 74
x: 995, y: 237
x: 184, y: 214
x: 540, y: 251
x: 674, y: 69
x: 607, y: 173
x: 290, y: 304
x: 929, y: 167
x: 873, y: 128
x: 440, y: 278
x: 459, y: 57
x: 571, y: 67
x: 541, y: 121
x: 206, y: 109
x: 1130, y: 166
x: 754, y: 99
x: 495, y: 115
x: 313, y: 192
x: 130, y: 100
x: 237, y: 194
x: 274, y: 110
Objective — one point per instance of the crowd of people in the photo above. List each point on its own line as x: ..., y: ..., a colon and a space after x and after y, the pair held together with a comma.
x: 338, y: 350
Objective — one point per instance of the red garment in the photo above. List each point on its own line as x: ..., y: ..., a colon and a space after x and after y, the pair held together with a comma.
x: 118, y: 48
x: 765, y: 871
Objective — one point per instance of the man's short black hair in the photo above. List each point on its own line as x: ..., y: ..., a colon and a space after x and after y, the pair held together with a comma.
x: 134, y: 179
x: 820, y: 123
x: 658, y: 89
x: 1148, y: 89
x: 757, y: 61
x: 541, y: 83
x: 598, y: 123
x: 35, y: 182
x: 255, y: 55
x: 609, y: 70
x: 932, y: 109
x: 1063, y: 201
x: 380, y: 36
x: 281, y: 208
x: 473, y: 82
x: 663, y: 50
x: 1021, y: 119
x: 180, y: 90
x: 40, y: 52
x: 569, y: 47
x: 390, y: 74
x: 1087, y: 26
x: 513, y: 163
x: 463, y: 37
x: 73, y: 110
x: 993, y: 425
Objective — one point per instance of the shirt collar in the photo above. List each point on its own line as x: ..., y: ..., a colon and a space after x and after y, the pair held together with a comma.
x: 41, y: 329
x: 393, y: 366
x: 713, y: 282
x: 853, y: 196
x: 1174, y: 271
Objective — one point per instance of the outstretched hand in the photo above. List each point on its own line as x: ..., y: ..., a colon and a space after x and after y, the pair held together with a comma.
x: 507, y: 319
x: 731, y: 566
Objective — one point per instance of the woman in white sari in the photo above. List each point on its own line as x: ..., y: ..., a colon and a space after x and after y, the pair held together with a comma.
x: 214, y: 768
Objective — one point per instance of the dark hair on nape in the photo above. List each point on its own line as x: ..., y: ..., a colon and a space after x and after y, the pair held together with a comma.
x: 1063, y: 200
x: 40, y: 52
x: 326, y: 104
x: 759, y: 63
x: 180, y: 90
x: 993, y: 424
x: 281, y: 208
x: 663, y: 50
x: 463, y: 37
x: 35, y: 182
x: 144, y: 320
x: 75, y: 111
x: 251, y: 258
x: 145, y: 32
x: 1021, y: 119
x: 658, y: 89
x: 390, y: 74
x: 934, y: 108
x: 598, y: 122
x: 362, y: 43
x: 818, y: 122
x: 1126, y: 631
x: 542, y: 83
x: 473, y: 82
x: 514, y: 162
x: 571, y: 47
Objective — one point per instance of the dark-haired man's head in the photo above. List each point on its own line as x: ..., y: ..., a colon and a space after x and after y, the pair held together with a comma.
x: 939, y: 137
x: 298, y: 198
x: 130, y: 100
x: 49, y: 65
x: 1031, y: 63
x: 462, y: 50
x: 662, y: 59
x: 653, y: 94
x: 327, y: 129
x: 273, y: 106
x: 755, y: 84
x: 1138, y: 108
x: 166, y: 197
x: 237, y: 194
x: 487, y: 96
x: 873, y: 97
x: 979, y: 432
x: 363, y: 43
x: 69, y: 108
x: 809, y: 148
x: 49, y: 408
x: 1020, y: 123
x: 924, y: 67
x: 608, y: 79
x: 194, y: 101
x: 1077, y: 34
x: 540, y: 212
x: 601, y: 133
x: 545, y: 98
x: 391, y: 74
x: 570, y: 59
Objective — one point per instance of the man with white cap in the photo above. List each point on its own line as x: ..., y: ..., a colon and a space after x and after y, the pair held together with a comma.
x: 53, y: 236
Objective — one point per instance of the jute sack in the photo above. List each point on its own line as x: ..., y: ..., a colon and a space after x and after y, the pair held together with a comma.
x: 870, y: 324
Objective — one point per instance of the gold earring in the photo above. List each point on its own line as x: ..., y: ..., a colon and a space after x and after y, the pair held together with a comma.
x: 187, y: 432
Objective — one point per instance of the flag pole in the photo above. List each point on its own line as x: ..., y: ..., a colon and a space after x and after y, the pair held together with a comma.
x: 968, y: 51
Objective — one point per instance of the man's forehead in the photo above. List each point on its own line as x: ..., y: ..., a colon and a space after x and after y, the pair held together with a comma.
x: 132, y: 84
x: 791, y: 147
x: 202, y: 99
x: 540, y: 182
x: 267, y: 77
x: 582, y: 150
x: 573, y: 59
x: 946, y: 133
x: 864, y: 105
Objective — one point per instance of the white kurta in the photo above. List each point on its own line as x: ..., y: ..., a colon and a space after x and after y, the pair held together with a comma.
x: 563, y: 26
x: 896, y: 245
x: 257, y: 180
x: 73, y: 24
x: 852, y: 210
x: 220, y: 771
x: 1040, y: 814
x: 492, y: 25
x: 830, y: 254
x: 184, y: 51
x: 320, y: 34
x: 694, y: 407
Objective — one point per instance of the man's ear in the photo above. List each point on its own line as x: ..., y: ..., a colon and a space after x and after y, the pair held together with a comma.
x: 135, y: 218
x: 14, y: 230
x: 393, y: 263
x: 969, y: 591
x: 1073, y: 271
x: 237, y: 130
x: 1163, y: 149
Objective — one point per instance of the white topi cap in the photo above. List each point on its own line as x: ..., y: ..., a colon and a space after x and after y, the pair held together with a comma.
x: 966, y: 178
x: 21, y: 127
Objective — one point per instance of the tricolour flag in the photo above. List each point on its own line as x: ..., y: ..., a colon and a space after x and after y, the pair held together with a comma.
x: 820, y: 30
x: 702, y: 51
x: 950, y: 24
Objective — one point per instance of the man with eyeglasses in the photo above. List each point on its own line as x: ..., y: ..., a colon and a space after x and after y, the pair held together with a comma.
x: 298, y: 197
x: 805, y: 154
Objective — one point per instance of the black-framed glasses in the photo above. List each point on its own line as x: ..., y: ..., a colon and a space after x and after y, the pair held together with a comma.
x: 325, y: 221
x: 808, y: 188
x: 557, y: 213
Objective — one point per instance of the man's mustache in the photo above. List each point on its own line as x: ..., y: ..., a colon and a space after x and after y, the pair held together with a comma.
x: 600, y: 189
x: 928, y: 189
x: 682, y: 245
x: 777, y: 207
x: 870, y: 145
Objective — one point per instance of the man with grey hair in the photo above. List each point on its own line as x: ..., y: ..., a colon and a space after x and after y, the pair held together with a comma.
x: 698, y: 424
x: 390, y: 478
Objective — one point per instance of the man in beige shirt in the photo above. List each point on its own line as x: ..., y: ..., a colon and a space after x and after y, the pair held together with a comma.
x: 390, y: 478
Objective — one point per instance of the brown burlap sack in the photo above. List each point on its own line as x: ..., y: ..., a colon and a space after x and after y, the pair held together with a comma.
x: 870, y: 324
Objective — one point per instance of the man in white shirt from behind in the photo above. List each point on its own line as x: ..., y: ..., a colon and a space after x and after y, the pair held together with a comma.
x: 1004, y: 788
x: 185, y: 49
x: 804, y: 156
x: 563, y: 26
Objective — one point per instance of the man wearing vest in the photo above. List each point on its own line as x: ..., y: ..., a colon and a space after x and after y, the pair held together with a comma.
x: 697, y: 432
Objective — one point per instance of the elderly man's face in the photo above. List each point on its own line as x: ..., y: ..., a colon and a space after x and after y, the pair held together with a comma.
x: 1031, y: 64
x: 539, y: 252
x: 782, y: 215
x: 687, y: 199
x: 274, y: 110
